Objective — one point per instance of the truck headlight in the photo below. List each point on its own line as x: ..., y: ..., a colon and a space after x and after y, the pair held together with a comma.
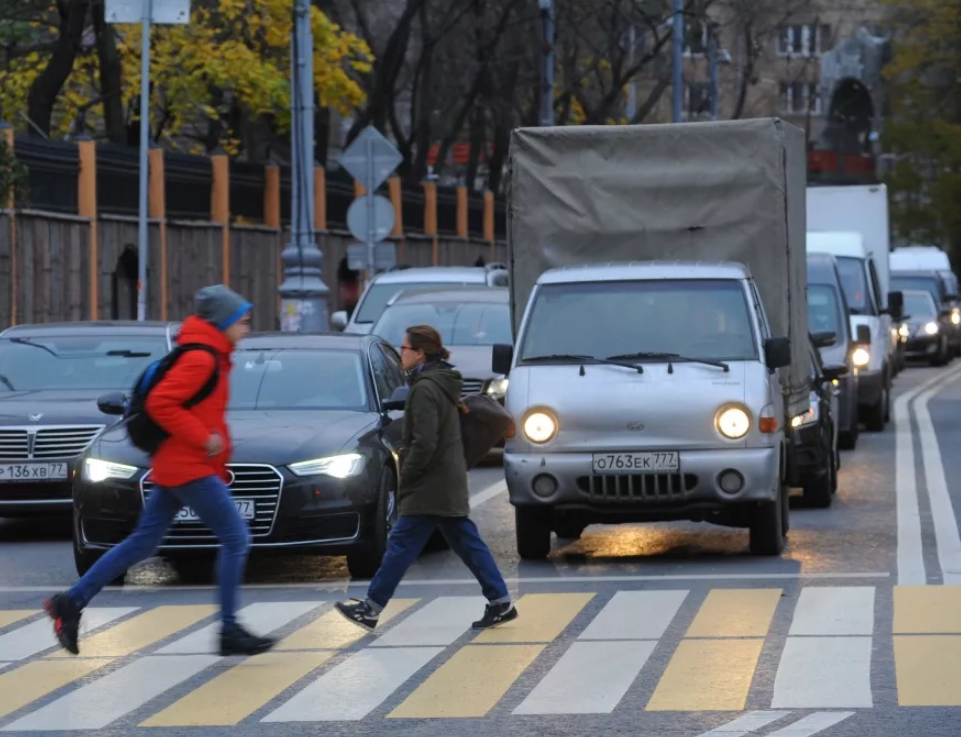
x: 497, y: 388
x: 732, y: 422
x: 931, y: 328
x: 811, y: 416
x: 338, y: 467
x: 956, y: 317
x: 540, y: 426
x: 861, y: 357
x: 95, y: 470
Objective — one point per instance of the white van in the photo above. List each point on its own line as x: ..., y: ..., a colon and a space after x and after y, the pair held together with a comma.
x: 862, y: 288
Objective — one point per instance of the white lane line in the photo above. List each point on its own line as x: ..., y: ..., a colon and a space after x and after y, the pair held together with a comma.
x: 634, y: 615
x: 487, y: 494
x: 38, y: 636
x: 911, y: 571
x: 441, y: 622
x: 824, y: 673
x: 590, y: 678
x: 355, y: 687
x: 261, y: 618
x: 812, y: 724
x: 105, y: 700
x: 942, y: 510
x: 834, y: 610
x: 750, y: 722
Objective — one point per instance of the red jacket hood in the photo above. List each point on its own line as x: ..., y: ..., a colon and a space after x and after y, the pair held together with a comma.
x: 195, y: 330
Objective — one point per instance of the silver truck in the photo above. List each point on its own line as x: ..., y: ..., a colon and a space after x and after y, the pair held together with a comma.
x: 661, y: 342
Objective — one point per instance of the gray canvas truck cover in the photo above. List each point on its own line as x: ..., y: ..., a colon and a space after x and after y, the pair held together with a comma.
x: 717, y: 191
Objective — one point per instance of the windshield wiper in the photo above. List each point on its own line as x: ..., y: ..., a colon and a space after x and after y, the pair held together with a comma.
x: 671, y: 358
x: 24, y: 341
x: 6, y: 382
x: 129, y: 354
x: 584, y: 359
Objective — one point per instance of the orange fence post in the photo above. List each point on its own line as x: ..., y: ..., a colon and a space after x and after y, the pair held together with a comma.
x: 359, y: 190
x: 157, y: 210
x: 320, y: 198
x: 397, y: 200
x: 430, y: 217
x: 462, y: 205
x: 272, y: 196
x: 220, y: 206
x: 87, y: 207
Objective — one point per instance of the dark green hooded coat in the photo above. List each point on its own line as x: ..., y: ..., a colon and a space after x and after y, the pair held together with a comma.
x: 433, y: 472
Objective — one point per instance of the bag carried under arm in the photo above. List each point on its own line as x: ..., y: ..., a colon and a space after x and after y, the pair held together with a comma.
x: 482, y: 425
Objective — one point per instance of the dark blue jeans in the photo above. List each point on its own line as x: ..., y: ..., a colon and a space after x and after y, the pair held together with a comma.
x: 408, y: 538
x: 210, y: 499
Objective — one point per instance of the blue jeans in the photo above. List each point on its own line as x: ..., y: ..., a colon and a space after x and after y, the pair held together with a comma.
x: 408, y: 538
x: 210, y: 499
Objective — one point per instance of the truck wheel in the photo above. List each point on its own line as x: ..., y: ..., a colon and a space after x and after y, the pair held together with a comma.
x: 820, y: 494
x: 533, y: 532
x: 767, y: 525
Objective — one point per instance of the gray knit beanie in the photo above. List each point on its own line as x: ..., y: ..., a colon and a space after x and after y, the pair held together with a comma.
x: 221, y: 306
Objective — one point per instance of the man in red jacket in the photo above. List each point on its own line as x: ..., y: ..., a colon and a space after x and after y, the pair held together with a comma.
x: 189, y: 469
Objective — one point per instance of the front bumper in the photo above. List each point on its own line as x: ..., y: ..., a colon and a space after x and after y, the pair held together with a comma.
x: 38, y: 497
x: 323, y: 515
x: 651, y: 496
x: 922, y: 345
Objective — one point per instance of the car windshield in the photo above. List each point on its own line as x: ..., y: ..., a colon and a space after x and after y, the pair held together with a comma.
x: 701, y: 319
x: 929, y: 284
x: 854, y: 283
x: 83, y: 362
x: 918, y: 306
x: 377, y: 297
x: 298, y: 379
x: 824, y: 310
x: 459, y: 323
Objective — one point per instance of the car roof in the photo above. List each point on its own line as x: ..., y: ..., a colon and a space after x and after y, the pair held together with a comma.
x: 637, y: 270
x: 435, y: 273
x: 278, y: 340
x: 93, y: 327
x: 430, y: 295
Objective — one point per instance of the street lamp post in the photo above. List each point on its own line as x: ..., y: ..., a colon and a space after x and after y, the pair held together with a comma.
x: 547, y: 75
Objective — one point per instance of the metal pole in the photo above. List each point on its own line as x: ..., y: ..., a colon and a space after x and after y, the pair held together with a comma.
x: 712, y: 65
x: 142, y: 233
x: 678, y: 49
x: 632, y: 90
x: 547, y: 90
x: 371, y: 239
x: 303, y: 293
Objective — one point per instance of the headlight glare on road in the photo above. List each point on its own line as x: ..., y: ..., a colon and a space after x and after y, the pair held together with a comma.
x: 540, y: 426
x: 95, y: 470
x: 861, y: 357
x: 497, y: 388
x: 732, y: 422
x: 338, y: 467
x: 931, y: 328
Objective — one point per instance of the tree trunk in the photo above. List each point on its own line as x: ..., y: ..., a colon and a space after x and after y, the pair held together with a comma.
x: 746, y: 73
x: 111, y: 77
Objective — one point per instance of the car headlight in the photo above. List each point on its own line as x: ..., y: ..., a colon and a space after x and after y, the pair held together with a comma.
x: 338, y: 467
x: 904, y: 331
x: 96, y: 470
x: 931, y: 328
x: 732, y: 422
x: 497, y: 388
x: 956, y: 317
x: 811, y: 416
x: 861, y: 357
x: 540, y: 426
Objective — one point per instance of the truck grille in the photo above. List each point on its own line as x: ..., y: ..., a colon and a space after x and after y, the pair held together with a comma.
x: 635, y: 488
x: 471, y: 386
x: 261, y: 483
x: 46, y: 443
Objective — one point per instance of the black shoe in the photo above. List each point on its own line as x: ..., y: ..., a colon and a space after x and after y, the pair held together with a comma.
x: 66, y: 621
x: 496, y: 614
x: 236, y: 640
x: 359, y: 613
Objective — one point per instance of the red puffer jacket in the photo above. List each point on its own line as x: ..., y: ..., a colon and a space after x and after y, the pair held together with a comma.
x: 182, y: 458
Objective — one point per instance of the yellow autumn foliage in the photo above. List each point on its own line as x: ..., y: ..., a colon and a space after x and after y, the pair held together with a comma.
x: 239, y: 48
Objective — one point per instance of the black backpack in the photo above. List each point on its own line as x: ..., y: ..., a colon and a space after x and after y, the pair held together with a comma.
x: 144, y: 433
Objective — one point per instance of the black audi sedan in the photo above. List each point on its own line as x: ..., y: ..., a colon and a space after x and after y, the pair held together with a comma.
x: 51, y: 376
x: 315, y: 453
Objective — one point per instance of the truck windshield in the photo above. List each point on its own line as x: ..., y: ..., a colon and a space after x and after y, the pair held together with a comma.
x: 824, y: 310
x: 929, y: 284
x: 855, y: 284
x: 699, y: 319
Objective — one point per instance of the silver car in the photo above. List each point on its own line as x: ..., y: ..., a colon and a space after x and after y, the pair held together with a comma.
x: 645, y: 392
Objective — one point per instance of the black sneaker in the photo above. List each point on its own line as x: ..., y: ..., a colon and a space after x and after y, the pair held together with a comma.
x: 496, y: 614
x: 359, y: 613
x: 66, y: 621
x: 236, y: 640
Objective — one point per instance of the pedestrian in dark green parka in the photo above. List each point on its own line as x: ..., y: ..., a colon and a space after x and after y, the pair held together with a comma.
x: 433, y: 487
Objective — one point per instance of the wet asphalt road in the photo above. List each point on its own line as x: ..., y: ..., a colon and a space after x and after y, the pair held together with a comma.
x: 667, y: 629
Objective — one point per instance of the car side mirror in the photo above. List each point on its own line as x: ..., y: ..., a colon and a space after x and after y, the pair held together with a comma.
x: 397, y: 401
x: 863, y: 335
x: 338, y: 320
x: 502, y: 356
x: 895, y: 305
x: 777, y: 353
x: 835, y: 372
x: 113, y: 403
x: 824, y: 339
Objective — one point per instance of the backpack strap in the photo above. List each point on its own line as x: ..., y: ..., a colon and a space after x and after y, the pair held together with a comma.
x: 208, y: 388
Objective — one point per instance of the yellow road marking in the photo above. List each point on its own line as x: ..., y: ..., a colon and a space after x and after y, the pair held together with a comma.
x: 9, y: 616
x: 333, y: 632
x: 35, y: 680
x: 927, y: 669
x: 707, y: 675
x: 237, y: 693
x: 542, y: 618
x: 469, y: 684
x: 735, y: 613
x: 931, y: 610
x: 142, y: 631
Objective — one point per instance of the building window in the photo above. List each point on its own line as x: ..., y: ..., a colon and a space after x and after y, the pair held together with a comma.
x: 800, y: 98
x: 807, y: 39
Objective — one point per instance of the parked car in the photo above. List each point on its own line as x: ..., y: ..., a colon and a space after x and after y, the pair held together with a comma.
x: 828, y: 312
x: 815, y: 433
x: 50, y: 378
x: 384, y: 286
x: 937, y: 286
x: 927, y: 327
x: 314, y: 465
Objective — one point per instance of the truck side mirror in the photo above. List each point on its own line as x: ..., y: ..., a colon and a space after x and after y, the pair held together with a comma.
x: 777, y: 353
x: 502, y: 356
x: 338, y: 320
x: 863, y: 335
x: 895, y: 305
x: 824, y: 339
